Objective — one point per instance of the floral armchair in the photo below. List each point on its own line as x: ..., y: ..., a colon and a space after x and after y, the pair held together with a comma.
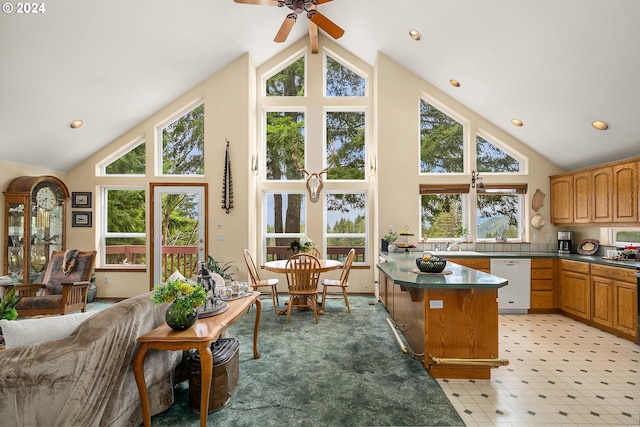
x: 65, y: 287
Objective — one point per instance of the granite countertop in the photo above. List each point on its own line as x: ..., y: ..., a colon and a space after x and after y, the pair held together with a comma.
x: 400, y: 268
x: 594, y: 259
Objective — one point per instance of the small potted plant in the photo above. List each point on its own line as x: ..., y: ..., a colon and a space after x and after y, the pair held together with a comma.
x: 388, y: 239
x: 303, y: 244
x: 185, y: 298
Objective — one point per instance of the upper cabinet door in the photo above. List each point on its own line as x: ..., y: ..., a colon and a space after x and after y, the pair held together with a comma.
x: 582, y: 198
x: 603, y: 194
x: 625, y: 195
x: 562, y: 199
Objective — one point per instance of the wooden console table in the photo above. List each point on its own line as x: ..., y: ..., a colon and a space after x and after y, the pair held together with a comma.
x: 200, y: 336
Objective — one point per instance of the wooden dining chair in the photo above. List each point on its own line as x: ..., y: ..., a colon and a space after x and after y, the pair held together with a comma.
x: 257, y: 282
x: 303, y: 274
x: 342, y: 283
x: 315, y: 252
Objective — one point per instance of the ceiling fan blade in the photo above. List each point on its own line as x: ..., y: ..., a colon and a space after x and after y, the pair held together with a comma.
x: 259, y: 2
x: 285, y: 28
x: 327, y: 25
x: 324, y: 1
x: 313, y: 37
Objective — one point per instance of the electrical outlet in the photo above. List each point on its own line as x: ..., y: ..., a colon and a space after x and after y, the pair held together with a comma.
x: 535, y: 238
x: 106, y: 279
x: 221, y: 236
x: 549, y: 238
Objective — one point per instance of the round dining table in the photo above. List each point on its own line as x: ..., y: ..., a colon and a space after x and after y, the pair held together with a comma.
x: 280, y: 266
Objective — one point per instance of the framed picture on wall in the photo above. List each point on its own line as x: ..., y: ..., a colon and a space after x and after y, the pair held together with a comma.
x: 81, y: 219
x: 81, y: 199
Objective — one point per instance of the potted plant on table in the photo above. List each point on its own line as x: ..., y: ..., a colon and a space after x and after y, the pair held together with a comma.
x: 185, y: 298
x: 303, y: 244
x: 389, y: 239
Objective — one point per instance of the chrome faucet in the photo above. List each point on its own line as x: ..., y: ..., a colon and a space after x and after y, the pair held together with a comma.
x: 452, y: 243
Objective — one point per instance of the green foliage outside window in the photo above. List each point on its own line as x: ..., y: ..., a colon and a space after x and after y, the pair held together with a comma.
x: 287, y: 82
x: 130, y: 163
x: 183, y: 144
x: 441, y: 141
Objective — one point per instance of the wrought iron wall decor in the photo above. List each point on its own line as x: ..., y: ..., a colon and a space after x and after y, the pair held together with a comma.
x: 227, y: 184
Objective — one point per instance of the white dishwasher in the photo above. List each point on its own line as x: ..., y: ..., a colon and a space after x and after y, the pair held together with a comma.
x: 515, y: 297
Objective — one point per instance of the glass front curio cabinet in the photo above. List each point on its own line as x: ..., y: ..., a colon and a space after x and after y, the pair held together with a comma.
x: 34, y: 216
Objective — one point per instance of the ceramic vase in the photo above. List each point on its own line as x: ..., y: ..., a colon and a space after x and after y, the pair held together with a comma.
x: 178, y: 319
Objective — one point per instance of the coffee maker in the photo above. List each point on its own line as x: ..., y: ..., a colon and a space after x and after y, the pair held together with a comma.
x: 565, y: 240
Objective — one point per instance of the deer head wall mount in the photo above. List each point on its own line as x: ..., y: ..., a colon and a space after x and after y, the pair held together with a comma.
x: 314, y: 180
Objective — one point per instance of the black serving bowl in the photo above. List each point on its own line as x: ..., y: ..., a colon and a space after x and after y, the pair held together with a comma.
x: 431, y: 266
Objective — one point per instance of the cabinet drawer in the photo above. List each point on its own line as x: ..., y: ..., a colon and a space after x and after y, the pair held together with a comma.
x: 541, y: 263
x: 616, y: 273
x: 575, y: 266
x: 542, y: 285
x: 542, y: 274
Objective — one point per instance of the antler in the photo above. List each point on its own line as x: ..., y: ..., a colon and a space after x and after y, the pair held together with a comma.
x: 295, y: 157
x: 314, y: 180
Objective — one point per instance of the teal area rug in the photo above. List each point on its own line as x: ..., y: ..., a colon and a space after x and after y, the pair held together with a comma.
x: 345, y: 371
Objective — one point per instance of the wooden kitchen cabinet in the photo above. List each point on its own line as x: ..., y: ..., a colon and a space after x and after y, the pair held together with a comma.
x: 582, y: 197
x: 542, y: 284
x: 625, y: 194
x: 481, y: 264
x: 614, y: 298
x: 575, y: 296
x: 561, y: 199
x: 603, y: 194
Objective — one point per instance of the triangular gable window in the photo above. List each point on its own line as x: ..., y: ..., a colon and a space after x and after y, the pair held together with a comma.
x: 131, y: 162
x: 491, y: 158
x: 288, y: 81
x: 342, y: 81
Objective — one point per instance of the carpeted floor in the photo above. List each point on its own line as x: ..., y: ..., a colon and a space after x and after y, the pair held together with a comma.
x: 345, y: 371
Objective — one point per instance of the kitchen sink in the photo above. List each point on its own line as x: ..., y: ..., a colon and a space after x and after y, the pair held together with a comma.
x: 456, y: 253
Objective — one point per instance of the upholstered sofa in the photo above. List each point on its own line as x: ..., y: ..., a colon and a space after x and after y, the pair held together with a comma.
x: 86, y: 379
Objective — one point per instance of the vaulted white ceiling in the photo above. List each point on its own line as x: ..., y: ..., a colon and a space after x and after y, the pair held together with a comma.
x: 557, y: 65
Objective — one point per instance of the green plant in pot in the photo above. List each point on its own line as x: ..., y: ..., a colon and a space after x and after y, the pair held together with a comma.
x: 8, y: 305
x: 185, y: 298
x: 388, y: 239
x: 226, y: 270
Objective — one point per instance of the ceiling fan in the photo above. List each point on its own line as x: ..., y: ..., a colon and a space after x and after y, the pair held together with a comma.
x: 316, y: 19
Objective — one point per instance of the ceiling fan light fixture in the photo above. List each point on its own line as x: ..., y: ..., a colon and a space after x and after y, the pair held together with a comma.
x: 600, y: 125
x: 76, y: 124
x: 454, y: 83
x: 415, y: 35
x: 516, y: 122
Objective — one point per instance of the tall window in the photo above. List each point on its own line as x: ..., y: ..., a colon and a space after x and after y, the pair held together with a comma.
x: 306, y: 127
x: 441, y: 141
x: 285, y: 145
x: 345, y: 144
x: 346, y: 224
x: 285, y: 221
x: 124, y: 228
x: 183, y: 144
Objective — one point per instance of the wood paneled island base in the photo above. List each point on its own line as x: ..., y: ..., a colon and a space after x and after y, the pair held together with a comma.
x: 450, y: 317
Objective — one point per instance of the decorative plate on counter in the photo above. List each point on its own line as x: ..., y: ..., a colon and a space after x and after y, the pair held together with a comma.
x: 588, y: 247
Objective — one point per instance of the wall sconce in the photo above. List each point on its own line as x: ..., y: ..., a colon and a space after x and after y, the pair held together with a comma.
x: 476, y: 181
x: 372, y: 165
x: 254, y: 164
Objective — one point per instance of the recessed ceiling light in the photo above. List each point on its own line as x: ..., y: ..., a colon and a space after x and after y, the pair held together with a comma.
x: 516, y: 122
x: 454, y: 83
x: 415, y: 35
x: 599, y: 125
x: 76, y: 124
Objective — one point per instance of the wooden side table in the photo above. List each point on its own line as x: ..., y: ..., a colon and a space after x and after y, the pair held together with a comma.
x: 200, y: 336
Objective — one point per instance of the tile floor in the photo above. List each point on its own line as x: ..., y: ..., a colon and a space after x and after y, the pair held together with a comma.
x: 561, y: 373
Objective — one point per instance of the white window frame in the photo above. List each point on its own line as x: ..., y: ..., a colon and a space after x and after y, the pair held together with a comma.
x: 105, y: 234
x: 364, y: 235
x: 266, y: 235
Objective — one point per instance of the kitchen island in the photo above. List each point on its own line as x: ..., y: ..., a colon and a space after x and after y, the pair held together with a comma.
x: 448, y: 317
